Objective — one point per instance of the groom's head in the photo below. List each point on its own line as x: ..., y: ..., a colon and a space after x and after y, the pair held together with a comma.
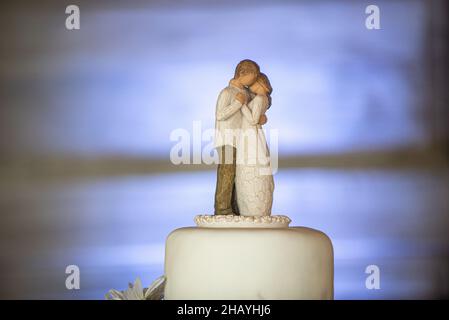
x: 246, y: 72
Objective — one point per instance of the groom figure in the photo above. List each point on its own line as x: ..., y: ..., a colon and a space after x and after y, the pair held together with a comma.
x: 228, y: 121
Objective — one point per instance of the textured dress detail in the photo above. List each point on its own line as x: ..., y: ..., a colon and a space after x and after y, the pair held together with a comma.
x: 254, y: 180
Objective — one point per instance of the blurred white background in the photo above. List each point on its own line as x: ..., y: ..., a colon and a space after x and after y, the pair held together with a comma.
x: 86, y: 115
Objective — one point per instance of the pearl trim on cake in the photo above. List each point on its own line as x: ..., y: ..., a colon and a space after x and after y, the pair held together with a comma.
x: 233, y: 221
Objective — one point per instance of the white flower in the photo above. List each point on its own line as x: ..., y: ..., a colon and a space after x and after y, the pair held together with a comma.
x: 136, y: 292
x: 156, y: 290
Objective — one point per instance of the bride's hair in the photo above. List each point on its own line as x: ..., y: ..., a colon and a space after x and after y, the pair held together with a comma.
x: 262, y: 79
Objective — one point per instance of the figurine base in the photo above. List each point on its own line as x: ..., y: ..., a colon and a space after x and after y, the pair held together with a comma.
x: 234, y: 221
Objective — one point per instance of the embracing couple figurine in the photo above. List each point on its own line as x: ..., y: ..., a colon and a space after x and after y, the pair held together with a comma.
x: 244, y: 179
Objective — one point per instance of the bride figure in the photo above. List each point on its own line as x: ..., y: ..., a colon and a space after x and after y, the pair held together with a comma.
x: 254, y: 179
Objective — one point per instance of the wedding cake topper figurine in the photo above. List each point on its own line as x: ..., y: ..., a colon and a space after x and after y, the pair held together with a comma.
x: 242, y: 251
x: 244, y: 179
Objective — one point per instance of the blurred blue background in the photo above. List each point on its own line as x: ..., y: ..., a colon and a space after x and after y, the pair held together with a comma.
x: 86, y: 116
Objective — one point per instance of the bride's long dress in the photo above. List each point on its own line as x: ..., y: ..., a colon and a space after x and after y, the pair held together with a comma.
x: 254, y: 180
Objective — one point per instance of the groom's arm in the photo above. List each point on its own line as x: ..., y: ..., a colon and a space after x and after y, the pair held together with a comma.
x: 254, y: 115
x: 226, y: 107
x: 253, y: 118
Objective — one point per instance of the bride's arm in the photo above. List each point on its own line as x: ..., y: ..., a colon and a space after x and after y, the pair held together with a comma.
x: 253, y: 115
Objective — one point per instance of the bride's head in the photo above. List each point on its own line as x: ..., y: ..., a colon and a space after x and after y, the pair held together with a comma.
x: 262, y: 87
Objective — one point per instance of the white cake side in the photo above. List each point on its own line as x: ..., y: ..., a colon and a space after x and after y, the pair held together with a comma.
x: 248, y: 263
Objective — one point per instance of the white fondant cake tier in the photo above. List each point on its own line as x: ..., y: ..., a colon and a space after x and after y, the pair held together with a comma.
x: 248, y: 263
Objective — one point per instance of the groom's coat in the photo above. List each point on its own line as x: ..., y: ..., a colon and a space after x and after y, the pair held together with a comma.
x: 228, y: 118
